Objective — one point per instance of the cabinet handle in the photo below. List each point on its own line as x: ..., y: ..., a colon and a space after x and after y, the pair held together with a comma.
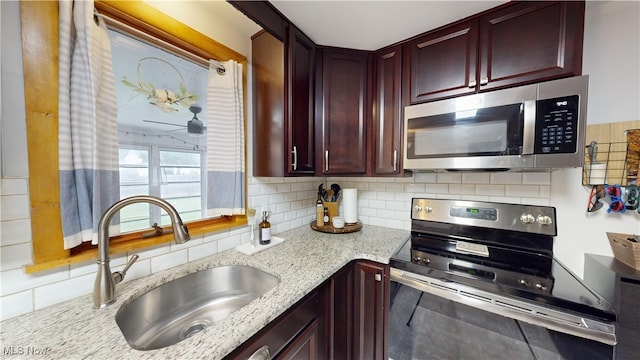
x: 378, y: 277
x: 472, y: 83
x: 484, y: 81
x: 295, y: 158
x: 261, y: 354
x: 326, y: 161
x: 395, y: 160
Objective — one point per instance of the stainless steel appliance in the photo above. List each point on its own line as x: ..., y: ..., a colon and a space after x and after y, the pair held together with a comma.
x: 538, y: 126
x: 479, y: 280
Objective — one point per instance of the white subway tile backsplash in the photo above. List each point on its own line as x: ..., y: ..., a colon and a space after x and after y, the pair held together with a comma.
x: 449, y: 178
x: 427, y: 178
x: 16, y: 280
x: 376, y: 187
x: 155, y: 251
x: 476, y: 178
x: 506, y: 178
x: 462, y: 189
x: 14, y: 207
x: 522, y: 190
x: 490, y: 190
x: 203, y: 250
x: 14, y: 187
x: 438, y: 188
x: 396, y: 187
x: 536, y: 178
x: 15, y: 232
x: 63, y: 290
x: 166, y: 261
x: 229, y: 242
x: 414, y: 188
x: 194, y: 241
x: 14, y: 256
x: 16, y: 304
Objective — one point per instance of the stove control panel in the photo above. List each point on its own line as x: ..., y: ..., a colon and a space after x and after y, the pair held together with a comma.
x: 517, y: 217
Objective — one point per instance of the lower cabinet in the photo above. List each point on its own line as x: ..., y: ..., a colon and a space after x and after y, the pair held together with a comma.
x: 344, y: 318
x: 357, y: 318
x: 293, y: 335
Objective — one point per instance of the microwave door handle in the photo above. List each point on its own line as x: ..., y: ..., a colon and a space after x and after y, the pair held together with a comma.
x: 529, y: 130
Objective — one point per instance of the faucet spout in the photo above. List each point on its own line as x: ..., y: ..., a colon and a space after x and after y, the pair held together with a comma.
x: 104, y: 286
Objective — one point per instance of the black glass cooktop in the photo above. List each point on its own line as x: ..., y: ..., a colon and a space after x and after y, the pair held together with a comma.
x: 568, y: 293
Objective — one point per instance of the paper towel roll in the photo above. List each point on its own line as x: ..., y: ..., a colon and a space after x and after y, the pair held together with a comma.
x: 597, y: 173
x: 350, y: 203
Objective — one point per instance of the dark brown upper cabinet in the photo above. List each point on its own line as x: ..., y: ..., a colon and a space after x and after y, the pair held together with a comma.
x: 515, y: 44
x: 530, y: 42
x: 387, y: 117
x: 268, y: 107
x: 283, y: 104
x: 443, y: 63
x: 342, y: 112
x: 300, y: 94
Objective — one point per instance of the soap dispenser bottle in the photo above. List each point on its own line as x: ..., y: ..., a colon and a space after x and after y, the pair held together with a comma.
x: 265, y: 229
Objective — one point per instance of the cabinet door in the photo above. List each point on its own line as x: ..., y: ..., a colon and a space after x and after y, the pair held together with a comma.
x: 443, y: 63
x: 300, y: 124
x: 268, y: 109
x: 387, y: 117
x: 304, y: 347
x: 531, y: 41
x: 371, y: 300
x: 343, y: 119
x: 341, y: 314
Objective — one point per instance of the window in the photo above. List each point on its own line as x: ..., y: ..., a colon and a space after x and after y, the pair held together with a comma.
x: 39, y: 22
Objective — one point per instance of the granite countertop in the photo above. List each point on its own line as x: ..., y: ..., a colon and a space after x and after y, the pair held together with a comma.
x: 74, y: 330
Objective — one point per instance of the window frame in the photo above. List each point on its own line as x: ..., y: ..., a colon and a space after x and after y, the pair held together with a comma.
x: 39, y: 26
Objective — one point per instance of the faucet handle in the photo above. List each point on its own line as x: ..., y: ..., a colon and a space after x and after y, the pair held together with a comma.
x: 118, y: 276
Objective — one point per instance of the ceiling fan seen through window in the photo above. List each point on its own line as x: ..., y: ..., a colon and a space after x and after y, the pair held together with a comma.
x: 194, y: 126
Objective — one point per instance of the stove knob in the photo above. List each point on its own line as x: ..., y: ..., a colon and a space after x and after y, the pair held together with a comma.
x: 426, y: 261
x: 523, y: 282
x: 540, y: 286
x: 418, y: 208
x: 428, y: 209
x: 544, y: 220
x: 527, y: 218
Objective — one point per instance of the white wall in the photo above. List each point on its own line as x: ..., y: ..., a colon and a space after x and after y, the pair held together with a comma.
x: 612, y: 61
x: 382, y: 201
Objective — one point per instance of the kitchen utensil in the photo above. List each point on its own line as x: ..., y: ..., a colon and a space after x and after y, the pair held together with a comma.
x: 336, y: 191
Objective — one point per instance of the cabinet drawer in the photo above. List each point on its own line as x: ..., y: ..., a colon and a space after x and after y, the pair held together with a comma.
x: 279, y: 333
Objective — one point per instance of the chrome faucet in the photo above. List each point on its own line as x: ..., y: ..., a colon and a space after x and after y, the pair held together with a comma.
x: 105, y: 285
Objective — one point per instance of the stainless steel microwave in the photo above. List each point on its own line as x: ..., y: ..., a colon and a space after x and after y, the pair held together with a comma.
x: 537, y: 126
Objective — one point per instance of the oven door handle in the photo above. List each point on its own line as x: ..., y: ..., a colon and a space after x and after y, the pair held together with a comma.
x: 601, y: 331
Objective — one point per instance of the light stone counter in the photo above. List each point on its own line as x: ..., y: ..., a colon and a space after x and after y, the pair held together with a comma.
x: 73, y: 330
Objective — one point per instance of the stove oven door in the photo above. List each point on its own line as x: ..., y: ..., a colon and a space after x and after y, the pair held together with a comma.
x: 426, y: 326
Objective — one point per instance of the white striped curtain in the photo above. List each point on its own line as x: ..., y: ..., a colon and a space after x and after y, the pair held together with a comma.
x: 225, y: 139
x: 87, y: 130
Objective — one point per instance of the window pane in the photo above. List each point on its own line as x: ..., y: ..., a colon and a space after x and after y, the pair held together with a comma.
x: 181, y: 183
x: 134, y: 180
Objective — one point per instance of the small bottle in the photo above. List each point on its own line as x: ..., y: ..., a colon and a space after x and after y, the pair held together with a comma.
x: 326, y: 216
x: 265, y: 230
x: 319, y: 212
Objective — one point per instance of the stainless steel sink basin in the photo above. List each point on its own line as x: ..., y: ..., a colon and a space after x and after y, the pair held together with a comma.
x: 182, y: 307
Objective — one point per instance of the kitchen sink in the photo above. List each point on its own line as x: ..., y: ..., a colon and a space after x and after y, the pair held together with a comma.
x: 185, y: 306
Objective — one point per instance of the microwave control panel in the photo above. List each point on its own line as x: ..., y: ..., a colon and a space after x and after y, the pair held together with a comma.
x: 556, y: 125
